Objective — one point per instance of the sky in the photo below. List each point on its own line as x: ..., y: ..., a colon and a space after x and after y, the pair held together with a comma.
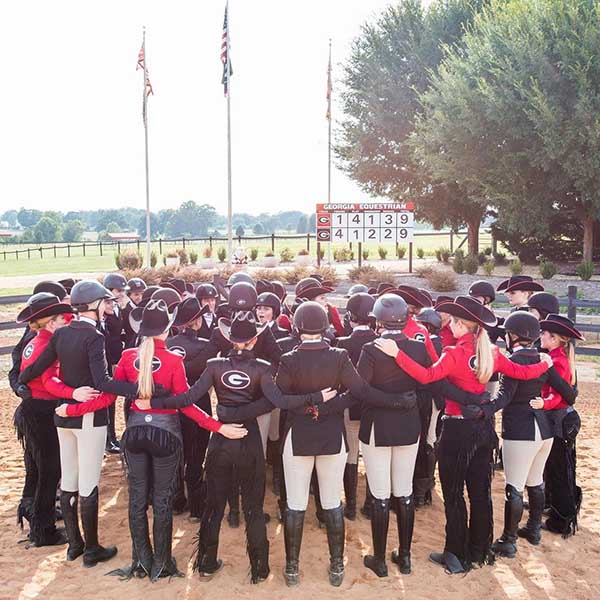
x: 71, y: 133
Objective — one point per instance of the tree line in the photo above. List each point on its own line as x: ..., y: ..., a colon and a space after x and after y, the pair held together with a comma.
x: 472, y: 108
x: 188, y: 220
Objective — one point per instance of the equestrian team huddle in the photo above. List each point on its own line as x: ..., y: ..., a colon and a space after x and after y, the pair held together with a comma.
x: 401, y: 379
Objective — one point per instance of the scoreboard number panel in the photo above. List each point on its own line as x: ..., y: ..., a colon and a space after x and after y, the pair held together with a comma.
x: 386, y: 223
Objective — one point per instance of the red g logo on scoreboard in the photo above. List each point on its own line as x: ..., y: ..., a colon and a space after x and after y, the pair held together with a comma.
x: 323, y: 220
x: 324, y: 235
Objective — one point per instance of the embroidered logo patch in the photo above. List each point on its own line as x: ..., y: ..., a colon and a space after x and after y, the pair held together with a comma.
x: 179, y: 350
x: 473, y: 362
x: 235, y: 380
x: 420, y: 337
x: 28, y: 351
x: 156, y: 364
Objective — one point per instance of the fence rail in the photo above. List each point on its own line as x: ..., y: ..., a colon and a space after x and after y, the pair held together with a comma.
x: 571, y: 302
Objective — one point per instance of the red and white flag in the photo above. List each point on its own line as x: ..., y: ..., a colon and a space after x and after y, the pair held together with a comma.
x: 225, y: 58
x: 141, y: 64
x: 328, y: 113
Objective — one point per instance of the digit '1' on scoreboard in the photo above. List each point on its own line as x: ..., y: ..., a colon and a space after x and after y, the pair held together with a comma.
x: 366, y: 223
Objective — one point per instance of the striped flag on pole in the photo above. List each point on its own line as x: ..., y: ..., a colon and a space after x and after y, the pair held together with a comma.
x: 328, y: 113
x: 141, y: 64
x: 225, y: 59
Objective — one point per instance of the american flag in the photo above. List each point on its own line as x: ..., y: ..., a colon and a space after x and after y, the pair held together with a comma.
x: 225, y: 59
x: 141, y: 64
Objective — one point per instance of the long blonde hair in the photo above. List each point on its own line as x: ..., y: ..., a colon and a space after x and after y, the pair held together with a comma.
x: 41, y: 323
x: 569, y: 347
x: 145, y: 378
x: 483, y: 351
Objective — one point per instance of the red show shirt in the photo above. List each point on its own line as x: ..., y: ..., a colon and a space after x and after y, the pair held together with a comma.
x: 47, y: 386
x: 416, y: 331
x: 447, y: 336
x: 168, y: 371
x: 552, y: 399
x: 457, y: 365
x: 335, y: 320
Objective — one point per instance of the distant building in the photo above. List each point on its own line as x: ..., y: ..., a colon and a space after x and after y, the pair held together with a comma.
x: 129, y: 236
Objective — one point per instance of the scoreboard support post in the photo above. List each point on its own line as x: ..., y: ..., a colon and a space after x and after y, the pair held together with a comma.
x: 359, y: 255
x: 318, y: 254
x: 410, y: 256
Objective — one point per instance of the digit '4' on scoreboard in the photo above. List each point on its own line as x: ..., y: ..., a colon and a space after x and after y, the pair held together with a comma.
x: 369, y: 222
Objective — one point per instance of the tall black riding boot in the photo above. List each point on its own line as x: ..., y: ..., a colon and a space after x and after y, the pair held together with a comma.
x: 317, y: 493
x: 532, y: 530
x: 506, y: 544
x: 112, y: 444
x: 293, y: 526
x: 334, y: 521
x: 259, y: 562
x: 406, y: 521
x: 350, y: 484
x: 24, y: 510
x: 94, y: 552
x: 366, y: 507
x: 68, y: 506
x: 380, y: 518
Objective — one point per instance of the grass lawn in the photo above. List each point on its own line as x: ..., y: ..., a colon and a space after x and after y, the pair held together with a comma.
x: 40, y: 262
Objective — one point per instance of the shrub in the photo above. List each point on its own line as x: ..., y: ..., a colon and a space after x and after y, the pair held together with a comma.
x: 286, y: 255
x: 355, y: 273
x: 500, y: 258
x: 370, y: 275
x: 442, y: 280
x: 269, y: 254
x: 327, y: 273
x: 487, y: 250
x: 547, y: 269
x: 516, y: 266
x: 269, y: 274
x: 420, y: 253
x: 585, y: 270
x: 489, y: 266
x: 481, y: 257
x: 460, y: 252
x: 184, y: 259
x: 458, y: 264
x: 438, y: 254
x: 365, y: 254
x: 343, y: 254
x: 400, y: 252
x: 471, y: 264
x: 253, y: 254
x: 194, y: 274
x: 382, y: 252
x: 207, y: 252
x: 293, y: 276
x: 129, y: 260
x: 222, y: 254
x: 445, y: 253
x: 153, y: 259
x: 193, y: 257
x: 303, y: 252
x: 423, y: 271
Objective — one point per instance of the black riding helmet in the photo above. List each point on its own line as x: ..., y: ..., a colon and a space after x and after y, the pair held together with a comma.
x: 544, y: 303
x: 357, y: 288
x: 136, y: 284
x: 86, y: 293
x: 206, y: 290
x: 271, y: 300
x: 391, y: 310
x: 242, y: 296
x: 311, y: 318
x: 523, y: 325
x: 115, y: 281
x: 431, y: 317
x: 360, y: 306
x: 238, y: 277
x: 53, y: 287
x: 482, y: 288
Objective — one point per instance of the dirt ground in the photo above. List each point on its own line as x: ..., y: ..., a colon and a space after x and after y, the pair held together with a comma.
x: 556, y: 569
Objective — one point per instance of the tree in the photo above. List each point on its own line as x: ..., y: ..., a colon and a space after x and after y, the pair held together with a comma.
x: 312, y: 223
x: 191, y: 220
x: 257, y: 229
x: 154, y: 226
x: 163, y: 219
x: 47, y: 230
x: 302, y: 226
x: 514, y: 116
x: 11, y: 217
x: 28, y: 218
x: 391, y: 62
x: 73, y: 231
x: 239, y: 231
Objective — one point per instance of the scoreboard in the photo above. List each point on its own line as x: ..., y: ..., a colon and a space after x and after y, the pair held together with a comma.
x: 368, y: 223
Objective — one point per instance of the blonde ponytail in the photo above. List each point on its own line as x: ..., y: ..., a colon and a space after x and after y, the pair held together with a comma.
x: 485, y: 357
x: 570, y: 352
x: 145, y: 378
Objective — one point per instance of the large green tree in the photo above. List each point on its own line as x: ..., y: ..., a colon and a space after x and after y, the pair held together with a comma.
x: 47, y: 230
x: 391, y: 63
x: 191, y: 219
x: 514, y: 116
x: 73, y: 231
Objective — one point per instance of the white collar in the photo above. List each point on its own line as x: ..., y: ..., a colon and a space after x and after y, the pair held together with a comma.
x: 361, y: 328
x: 88, y: 320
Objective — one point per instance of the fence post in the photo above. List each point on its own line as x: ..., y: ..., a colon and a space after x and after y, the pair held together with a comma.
x: 451, y: 241
x: 572, y: 296
x: 41, y: 252
x: 4, y: 255
x: 239, y: 237
x: 183, y: 240
x: 100, y: 248
x: 84, y: 248
x: 210, y: 241
x: 138, y: 245
x: 28, y: 253
x: 54, y: 248
x: 494, y: 244
x: 318, y: 254
x: 118, y: 247
x: 308, y: 242
x: 160, y: 245
x: 359, y: 255
x: 69, y: 250
x: 273, y: 242
x: 410, y: 256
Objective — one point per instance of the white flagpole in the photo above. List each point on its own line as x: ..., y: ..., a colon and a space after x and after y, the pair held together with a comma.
x: 329, y: 83
x: 148, y: 233
x: 229, y: 195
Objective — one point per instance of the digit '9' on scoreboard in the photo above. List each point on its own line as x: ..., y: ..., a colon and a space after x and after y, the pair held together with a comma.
x: 372, y: 227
